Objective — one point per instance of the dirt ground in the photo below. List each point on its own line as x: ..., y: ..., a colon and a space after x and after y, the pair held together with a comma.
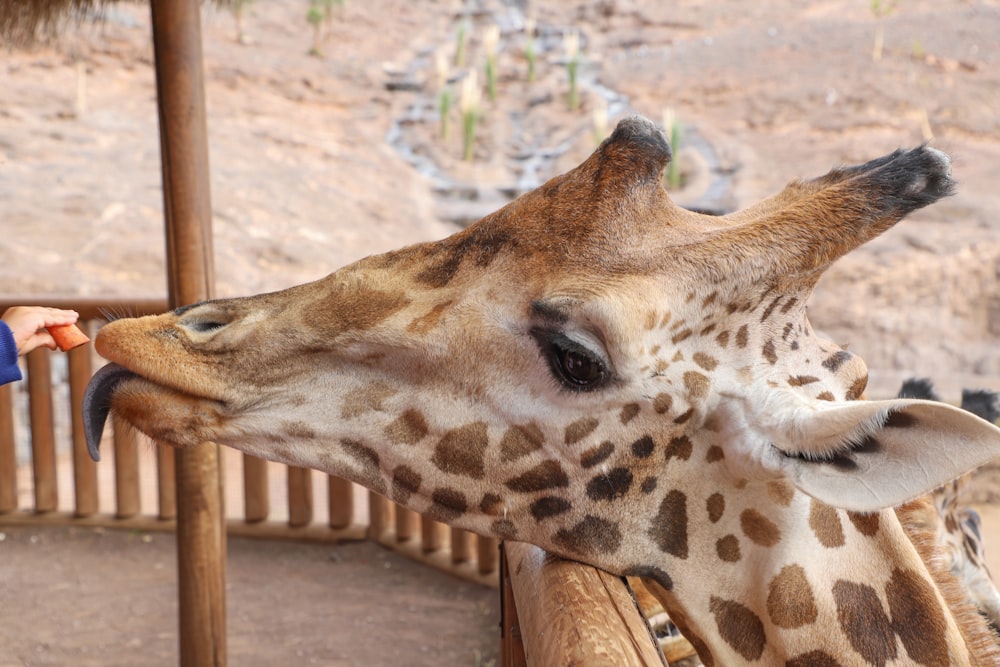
x: 320, y: 160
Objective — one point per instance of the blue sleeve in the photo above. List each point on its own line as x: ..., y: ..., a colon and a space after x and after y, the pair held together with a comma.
x: 9, y: 370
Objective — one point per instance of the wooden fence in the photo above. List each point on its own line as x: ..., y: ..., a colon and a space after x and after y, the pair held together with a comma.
x: 565, y: 612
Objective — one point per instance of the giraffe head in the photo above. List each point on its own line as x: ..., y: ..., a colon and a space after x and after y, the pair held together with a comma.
x: 591, y: 369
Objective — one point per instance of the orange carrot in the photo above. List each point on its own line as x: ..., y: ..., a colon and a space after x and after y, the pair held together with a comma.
x: 67, y: 336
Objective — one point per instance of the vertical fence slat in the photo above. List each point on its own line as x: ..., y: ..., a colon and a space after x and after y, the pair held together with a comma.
x: 86, y: 501
x: 431, y: 535
x: 487, y: 552
x: 341, y: 502
x: 8, y: 451
x: 378, y: 515
x: 407, y: 523
x: 256, y: 495
x: 461, y: 545
x: 43, y: 439
x: 300, y: 497
x: 127, y: 504
x: 166, y: 482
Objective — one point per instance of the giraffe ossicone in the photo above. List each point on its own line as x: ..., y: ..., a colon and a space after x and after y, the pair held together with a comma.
x: 604, y: 374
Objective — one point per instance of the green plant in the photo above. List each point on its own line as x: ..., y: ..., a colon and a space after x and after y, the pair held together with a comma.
x: 881, y: 9
x: 600, y: 119
x: 469, y: 106
x: 491, y: 37
x: 529, y: 47
x: 675, y: 131
x: 238, y: 7
x: 444, y: 92
x: 320, y: 12
x: 571, y: 46
x: 461, y: 40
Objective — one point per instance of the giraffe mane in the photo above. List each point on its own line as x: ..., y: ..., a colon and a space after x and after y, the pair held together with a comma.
x: 982, y: 641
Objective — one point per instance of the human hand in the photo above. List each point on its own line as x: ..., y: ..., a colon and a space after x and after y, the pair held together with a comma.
x: 28, y: 325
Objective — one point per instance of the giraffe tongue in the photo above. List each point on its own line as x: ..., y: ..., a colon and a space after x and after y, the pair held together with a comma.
x: 97, y: 404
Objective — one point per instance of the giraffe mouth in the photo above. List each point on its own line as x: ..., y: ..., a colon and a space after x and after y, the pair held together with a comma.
x: 97, y: 403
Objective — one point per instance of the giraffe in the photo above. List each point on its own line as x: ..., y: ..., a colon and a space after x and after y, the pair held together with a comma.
x: 945, y: 512
x: 599, y: 372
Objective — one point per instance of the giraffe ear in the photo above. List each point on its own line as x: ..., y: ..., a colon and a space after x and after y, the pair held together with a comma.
x: 890, y: 452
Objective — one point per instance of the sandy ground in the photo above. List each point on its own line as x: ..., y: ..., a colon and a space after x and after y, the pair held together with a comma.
x: 317, y: 161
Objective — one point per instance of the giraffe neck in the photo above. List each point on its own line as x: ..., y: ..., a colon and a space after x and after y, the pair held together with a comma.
x: 809, y: 585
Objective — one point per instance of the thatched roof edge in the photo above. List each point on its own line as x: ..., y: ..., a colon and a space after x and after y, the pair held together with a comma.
x: 24, y: 22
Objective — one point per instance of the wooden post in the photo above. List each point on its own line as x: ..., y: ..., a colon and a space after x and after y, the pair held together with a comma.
x: 84, y: 470
x: 43, y: 436
x: 201, y: 551
x: 300, y: 497
x: 8, y: 453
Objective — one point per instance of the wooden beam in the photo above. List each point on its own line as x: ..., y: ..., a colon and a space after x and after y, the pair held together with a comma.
x: 575, y: 614
x: 201, y: 550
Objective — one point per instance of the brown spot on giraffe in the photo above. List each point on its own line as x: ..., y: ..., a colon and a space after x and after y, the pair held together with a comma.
x: 770, y: 309
x: 405, y: 482
x: 643, y: 447
x: 491, y: 504
x: 739, y: 626
x: 911, y: 597
x: 684, y: 416
x: 759, y: 528
x: 596, y: 455
x: 580, y: 429
x: 781, y: 492
x: 825, y: 396
x: 728, y: 548
x: 367, y: 398
x: 426, y: 322
x: 448, y: 504
x: 519, y: 441
x: 857, y: 388
x: 662, y: 403
x: 299, y: 429
x: 866, y: 524
x: 464, y: 248
x: 407, y: 429
x: 825, y: 524
x: 716, y: 505
x: 769, y: 353
x: 608, y: 486
x: 592, y: 535
x: 368, y: 460
x: 790, y: 599
x: 352, y: 308
x: 697, y: 384
x: 742, y: 336
x: 670, y: 525
x: 788, y: 305
x: 682, y: 335
x: 679, y: 447
x: 549, y: 506
x: 813, y: 659
x: 836, y: 360
x: 802, y: 380
x: 706, y: 361
x: 864, y: 622
x: 545, y: 475
x: 722, y: 339
x: 629, y: 412
x: 714, y: 454
x: 461, y: 451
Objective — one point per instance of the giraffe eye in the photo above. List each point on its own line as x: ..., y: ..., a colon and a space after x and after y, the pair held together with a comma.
x: 571, y: 363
